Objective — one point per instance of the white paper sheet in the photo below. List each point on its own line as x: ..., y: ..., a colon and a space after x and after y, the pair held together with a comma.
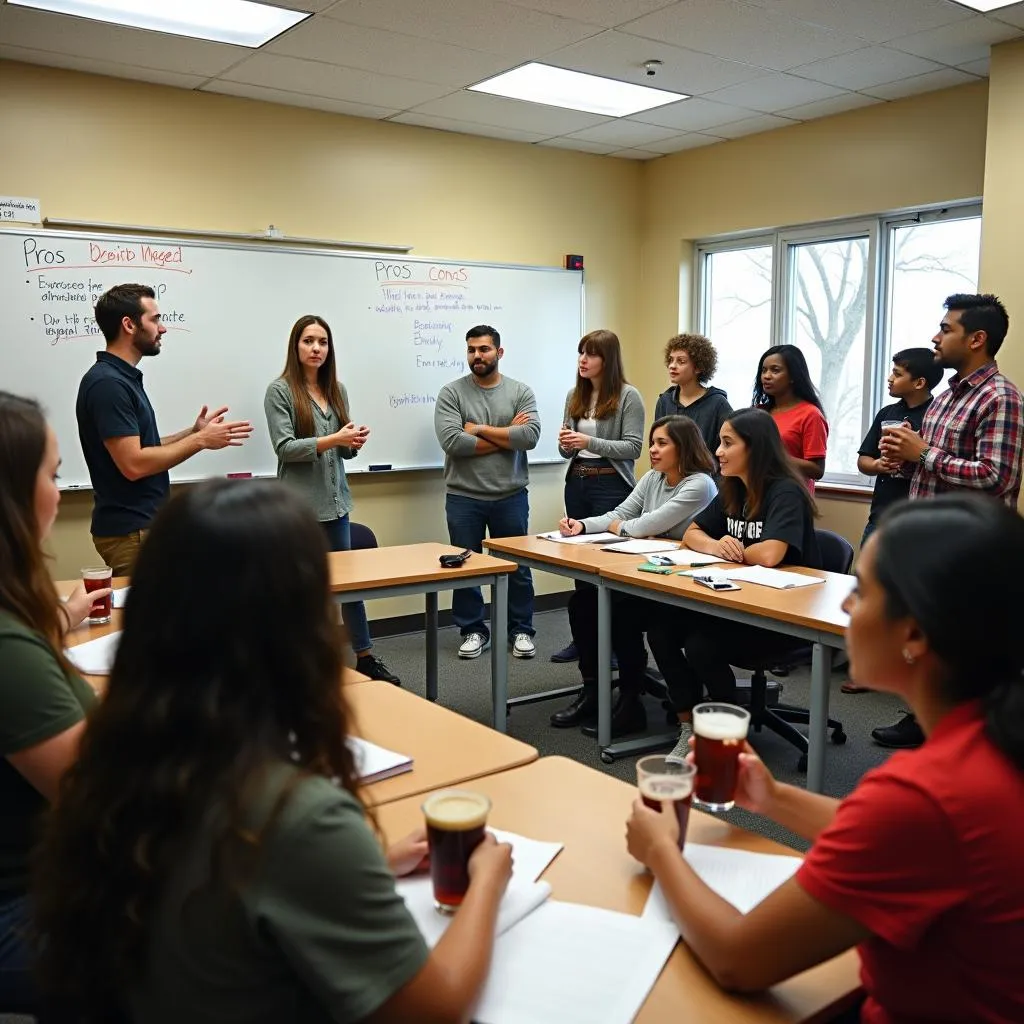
x: 374, y: 763
x: 95, y: 657
x: 684, y: 556
x: 530, y: 857
x: 778, y: 579
x: 639, y: 546
x: 570, y: 964
x: 580, y: 538
x: 741, y: 878
x: 119, y: 595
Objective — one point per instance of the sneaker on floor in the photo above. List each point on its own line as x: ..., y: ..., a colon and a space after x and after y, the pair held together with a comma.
x: 523, y: 646
x: 906, y: 734
x: 376, y: 669
x: 473, y: 645
x: 568, y: 653
x: 682, y: 747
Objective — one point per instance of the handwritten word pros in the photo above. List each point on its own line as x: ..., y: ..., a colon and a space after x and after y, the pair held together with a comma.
x: 37, y: 255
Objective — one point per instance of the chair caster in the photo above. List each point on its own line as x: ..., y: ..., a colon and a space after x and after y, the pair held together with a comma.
x: 801, y: 765
x: 838, y: 737
x: 607, y: 758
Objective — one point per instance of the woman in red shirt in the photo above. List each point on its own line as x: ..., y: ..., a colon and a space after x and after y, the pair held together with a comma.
x: 920, y: 866
x: 784, y: 388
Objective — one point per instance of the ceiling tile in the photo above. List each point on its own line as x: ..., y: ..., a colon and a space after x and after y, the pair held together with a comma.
x: 871, y: 66
x: 622, y: 133
x: 622, y: 56
x: 1011, y: 15
x: 694, y: 115
x: 946, y: 78
x: 689, y: 140
x: 304, y: 5
x: 957, y: 44
x: 740, y: 32
x: 753, y: 125
x: 488, y: 25
x: 371, y: 49
x: 481, y: 108
x: 770, y: 93
x: 977, y: 67
x: 447, y: 124
x: 115, y: 69
x: 567, y: 142
x: 635, y: 154
x: 874, y: 20
x: 827, y: 108
x: 94, y: 40
x: 315, y: 79
x: 595, y: 12
x: 298, y: 99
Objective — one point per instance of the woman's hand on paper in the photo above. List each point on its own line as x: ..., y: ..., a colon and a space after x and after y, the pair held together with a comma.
x: 570, y: 527
x: 730, y: 549
x: 491, y: 862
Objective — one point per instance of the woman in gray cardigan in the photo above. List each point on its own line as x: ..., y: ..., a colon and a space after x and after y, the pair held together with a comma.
x: 602, y: 436
x: 307, y: 414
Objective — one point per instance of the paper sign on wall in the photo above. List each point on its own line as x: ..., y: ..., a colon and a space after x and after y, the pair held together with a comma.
x: 19, y: 208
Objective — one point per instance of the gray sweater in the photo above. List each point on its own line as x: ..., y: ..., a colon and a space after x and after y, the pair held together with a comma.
x: 656, y: 510
x: 497, y: 474
x: 620, y: 437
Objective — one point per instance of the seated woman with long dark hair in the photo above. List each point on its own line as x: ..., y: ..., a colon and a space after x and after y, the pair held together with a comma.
x: 763, y: 515
x: 43, y: 701
x: 210, y: 859
x: 920, y: 867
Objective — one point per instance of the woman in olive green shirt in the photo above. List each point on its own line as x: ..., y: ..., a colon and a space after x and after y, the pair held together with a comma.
x: 42, y: 700
x: 210, y: 859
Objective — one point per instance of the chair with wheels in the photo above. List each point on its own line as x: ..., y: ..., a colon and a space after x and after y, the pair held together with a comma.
x: 362, y: 537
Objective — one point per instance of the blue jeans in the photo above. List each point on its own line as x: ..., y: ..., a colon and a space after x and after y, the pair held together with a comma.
x: 868, y: 530
x: 353, y: 613
x: 469, y: 521
x: 17, y: 991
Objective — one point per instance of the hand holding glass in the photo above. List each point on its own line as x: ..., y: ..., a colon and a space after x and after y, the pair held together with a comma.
x: 719, y: 732
x: 659, y: 779
x: 456, y: 819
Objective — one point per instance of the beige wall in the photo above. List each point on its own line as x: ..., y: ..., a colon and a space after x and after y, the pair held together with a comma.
x: 927, y: 149
x: 102, y: 149
x: 1003, y: 216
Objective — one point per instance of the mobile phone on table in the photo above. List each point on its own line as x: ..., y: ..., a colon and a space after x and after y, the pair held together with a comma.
x: 454, y: 561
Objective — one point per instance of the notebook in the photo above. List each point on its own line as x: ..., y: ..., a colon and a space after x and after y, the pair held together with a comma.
x: 374, y: 763
x: 775, y: 578
x: 642, y: 547
x: 684, y: 556
x: 580, y: 538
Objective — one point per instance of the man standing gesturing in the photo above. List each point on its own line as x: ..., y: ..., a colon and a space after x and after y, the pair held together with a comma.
x: 486, y: 423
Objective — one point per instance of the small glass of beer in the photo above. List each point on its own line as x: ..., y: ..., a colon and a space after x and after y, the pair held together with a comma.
x: 719, y: 731
x: 659, y: 779
x: 96, y: 578
x: 456, y: 819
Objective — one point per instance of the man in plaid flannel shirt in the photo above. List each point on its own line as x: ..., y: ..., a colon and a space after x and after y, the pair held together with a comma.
x: 972, y: 435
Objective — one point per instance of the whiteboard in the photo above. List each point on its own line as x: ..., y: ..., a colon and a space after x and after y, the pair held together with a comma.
x: 398, y: 323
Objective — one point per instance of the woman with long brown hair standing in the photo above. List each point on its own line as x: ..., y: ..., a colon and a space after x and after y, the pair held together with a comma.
x: 42, y: 700
x: 210, y: 858
x: 308, y: 419
x: 602, y: 436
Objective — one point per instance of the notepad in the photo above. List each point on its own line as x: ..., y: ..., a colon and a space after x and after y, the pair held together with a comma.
x: 95, y: 657
x: 580, y: 538
x: 684, y: 556
x: 373, y: 763
x: 119, y: 596
x: 776, y: 578
x: 570, y: 964
x: 741, y: 878
x: 639, y: 546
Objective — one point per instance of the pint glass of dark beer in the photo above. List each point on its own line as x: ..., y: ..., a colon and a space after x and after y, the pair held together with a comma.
x: 96, y: 578
x: 720, y: 731
x: 455, y: 827
x: 659, y: 779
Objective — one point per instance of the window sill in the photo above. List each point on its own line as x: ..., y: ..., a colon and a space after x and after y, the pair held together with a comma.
x: 843, y: 492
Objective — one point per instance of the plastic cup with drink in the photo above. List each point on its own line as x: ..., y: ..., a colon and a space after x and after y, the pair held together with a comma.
x: 456, y: 821
x: 719, y: 731
x: 98, y: 577
x: 660, y: 780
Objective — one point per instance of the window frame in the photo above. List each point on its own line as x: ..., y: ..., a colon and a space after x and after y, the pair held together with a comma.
x: 879, y: 230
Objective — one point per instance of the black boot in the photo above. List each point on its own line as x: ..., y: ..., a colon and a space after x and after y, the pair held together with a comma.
x: 582, y: 710
x: 628, y: 715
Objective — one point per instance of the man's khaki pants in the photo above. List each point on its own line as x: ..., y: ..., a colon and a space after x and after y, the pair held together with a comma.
x: 120, y: 552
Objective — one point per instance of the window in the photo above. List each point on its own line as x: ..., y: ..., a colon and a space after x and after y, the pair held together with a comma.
x: 848, y: 295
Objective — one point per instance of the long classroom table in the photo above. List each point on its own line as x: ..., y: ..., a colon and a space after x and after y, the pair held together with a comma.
x: 559, y: 800
x: 813, y: 614
x: 403, y: 570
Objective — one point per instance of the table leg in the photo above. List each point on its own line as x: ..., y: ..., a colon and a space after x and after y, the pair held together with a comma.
x: 604, y: 666
x: 499, y: 651
x: 431, y: 616
x: 817, y: 729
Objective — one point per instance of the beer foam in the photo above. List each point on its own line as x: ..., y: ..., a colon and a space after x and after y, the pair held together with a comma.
x: 720, y: 725
x: 667, y: 787
x: 456, y: 811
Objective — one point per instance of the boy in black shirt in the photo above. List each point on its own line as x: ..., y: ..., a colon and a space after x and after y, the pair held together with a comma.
x: 915, y: 372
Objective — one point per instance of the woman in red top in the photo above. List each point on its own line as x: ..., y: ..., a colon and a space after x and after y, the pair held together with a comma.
x: 920, y: 866
x: 783, y: 387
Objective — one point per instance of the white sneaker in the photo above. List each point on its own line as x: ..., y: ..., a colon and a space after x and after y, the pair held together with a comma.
x: 473, y: 645
x: 523, y: 646
x: 682, y: 747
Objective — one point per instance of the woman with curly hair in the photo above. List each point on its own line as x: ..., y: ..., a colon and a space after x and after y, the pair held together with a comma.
x: 210, y: 859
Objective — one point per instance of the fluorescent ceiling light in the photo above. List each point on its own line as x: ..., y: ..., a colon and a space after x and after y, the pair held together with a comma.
x: 241, y: 22
x: 986, y: 5
x: 557, y: 87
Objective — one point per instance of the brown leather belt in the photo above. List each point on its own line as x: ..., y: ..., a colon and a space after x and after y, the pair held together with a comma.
x: 585, y: 471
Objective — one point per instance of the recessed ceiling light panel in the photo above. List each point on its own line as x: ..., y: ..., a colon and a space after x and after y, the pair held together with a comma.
x: 986, y: 5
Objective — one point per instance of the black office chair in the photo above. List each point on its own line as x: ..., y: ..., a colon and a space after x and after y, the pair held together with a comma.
x: 362, y: 537
x: 836, y: 556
